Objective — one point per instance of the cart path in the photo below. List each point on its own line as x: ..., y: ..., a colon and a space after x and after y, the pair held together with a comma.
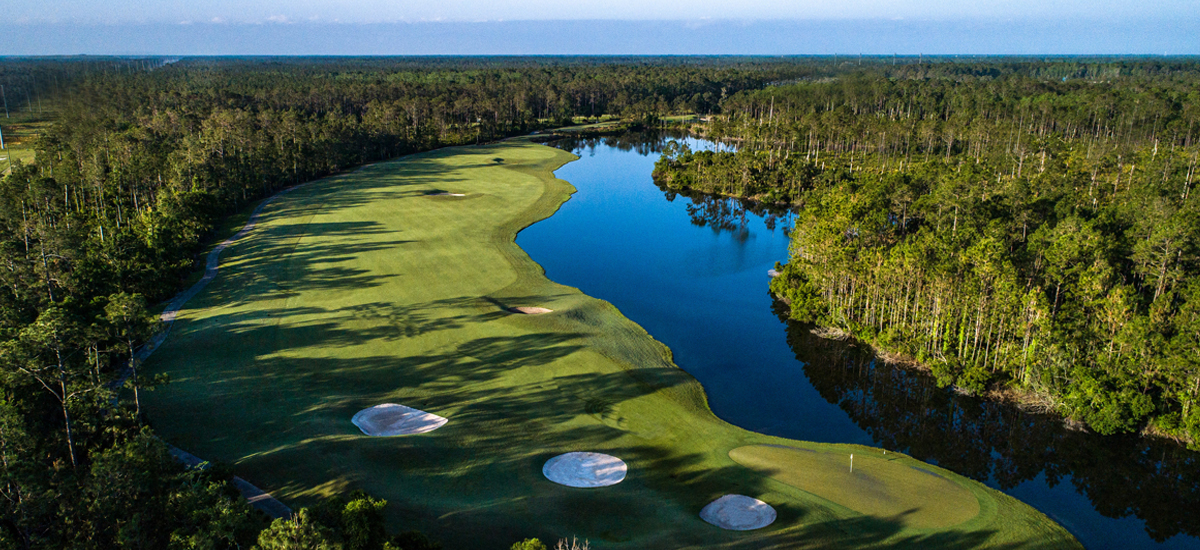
x: 257, y: 498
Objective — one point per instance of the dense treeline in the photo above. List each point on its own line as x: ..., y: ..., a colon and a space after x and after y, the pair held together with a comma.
x: 1006, y: 230
x: 145, y: 158
x: 995, y: 442
x: 149, y: 154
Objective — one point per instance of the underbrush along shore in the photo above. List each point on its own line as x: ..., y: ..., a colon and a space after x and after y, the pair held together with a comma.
x: 365, y: 288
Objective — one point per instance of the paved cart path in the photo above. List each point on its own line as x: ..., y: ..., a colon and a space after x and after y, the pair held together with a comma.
x: 258, y: 498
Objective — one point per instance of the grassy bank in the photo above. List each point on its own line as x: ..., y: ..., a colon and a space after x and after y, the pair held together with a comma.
x: 362, y: 289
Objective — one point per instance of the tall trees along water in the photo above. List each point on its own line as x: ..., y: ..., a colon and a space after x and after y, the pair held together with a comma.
x: 1008, y: 231
x: 145, y: 158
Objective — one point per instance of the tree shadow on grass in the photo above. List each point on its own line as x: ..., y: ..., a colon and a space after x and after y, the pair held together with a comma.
x: 479, y: 479
x: 282, y: 414
x: 889, y: 532
x: 285, y: 422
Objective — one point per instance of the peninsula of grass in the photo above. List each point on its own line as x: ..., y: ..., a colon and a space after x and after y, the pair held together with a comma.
x: 360, y: 289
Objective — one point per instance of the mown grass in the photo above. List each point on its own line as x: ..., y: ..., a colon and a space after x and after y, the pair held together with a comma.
x: 874, y: 483
x: 361, y: 289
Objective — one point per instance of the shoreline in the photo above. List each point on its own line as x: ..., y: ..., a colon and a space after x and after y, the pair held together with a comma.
x: 614, y: 349
x: 1026, y: 401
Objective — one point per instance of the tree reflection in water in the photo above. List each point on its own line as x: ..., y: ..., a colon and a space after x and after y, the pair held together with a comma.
x: 1120, y: 476
x: 904, y: 409
x: 649, y: 142
x: 731, y: 214
x: 721, y: 214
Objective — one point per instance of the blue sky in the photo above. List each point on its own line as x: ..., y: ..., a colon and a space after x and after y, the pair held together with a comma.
x: 391, y: 11
x: 347, y: 27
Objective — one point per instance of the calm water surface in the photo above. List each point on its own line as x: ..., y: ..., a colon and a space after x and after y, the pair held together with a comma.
x: 693, y: 272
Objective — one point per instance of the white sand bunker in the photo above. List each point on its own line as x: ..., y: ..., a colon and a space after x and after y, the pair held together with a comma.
x: 392, y: 419
x: 738, y: 513
x: 529, y: 310
x: 585, y: 470
x: 445, y: 194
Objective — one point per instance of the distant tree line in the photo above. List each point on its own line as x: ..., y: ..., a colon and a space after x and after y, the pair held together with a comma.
x: 146, y: 157
x: 1022, y: 227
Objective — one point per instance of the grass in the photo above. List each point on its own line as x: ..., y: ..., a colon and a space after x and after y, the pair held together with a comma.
x: 880, y: 485
x: 21, y: 131
x: 361, y: 289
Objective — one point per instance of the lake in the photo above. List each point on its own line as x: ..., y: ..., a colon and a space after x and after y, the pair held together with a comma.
x: 693, y: 272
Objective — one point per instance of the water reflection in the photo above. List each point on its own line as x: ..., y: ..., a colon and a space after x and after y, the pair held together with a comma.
x: 644, y: 143
x: 715, y: 212
x: 1157, y: 482
x: 730, y: 214
x: 693, y: 273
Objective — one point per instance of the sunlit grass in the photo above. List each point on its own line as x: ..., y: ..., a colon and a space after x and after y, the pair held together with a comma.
x: 870, y: 482
x: 362, y: 289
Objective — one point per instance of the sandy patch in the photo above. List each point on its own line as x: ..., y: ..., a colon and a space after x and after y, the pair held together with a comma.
x: 585, y: 470
x: 529, y: 310
x: 445, y: 194
x: 738, y: 513
x: 392, y: 419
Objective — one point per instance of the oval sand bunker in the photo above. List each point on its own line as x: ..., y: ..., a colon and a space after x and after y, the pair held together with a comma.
x: 392, y: 419
x: 585, y: 470
x: 738, y: 513
x: 530, y: 310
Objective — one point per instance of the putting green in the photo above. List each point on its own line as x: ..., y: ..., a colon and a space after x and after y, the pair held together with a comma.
x: 880, y: 485
x: 361, y: 289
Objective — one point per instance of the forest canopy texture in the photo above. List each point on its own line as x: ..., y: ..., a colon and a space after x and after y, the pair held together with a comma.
x: 138, y: 164
x: 1022, y: 224
x: 1021, y: 228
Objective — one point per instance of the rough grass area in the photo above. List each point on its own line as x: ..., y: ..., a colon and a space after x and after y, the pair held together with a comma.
x: 359, y: 290
x: 21, y: 132
x: 881, y: 485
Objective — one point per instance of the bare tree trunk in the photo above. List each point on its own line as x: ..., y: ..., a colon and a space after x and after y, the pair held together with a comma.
x: 137, y: 403
x: 62, y: 382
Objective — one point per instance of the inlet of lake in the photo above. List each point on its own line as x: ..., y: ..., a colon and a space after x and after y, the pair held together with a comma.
x: 693, y: 272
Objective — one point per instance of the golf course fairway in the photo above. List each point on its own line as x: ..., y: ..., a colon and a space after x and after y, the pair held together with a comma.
x: 392, y: 284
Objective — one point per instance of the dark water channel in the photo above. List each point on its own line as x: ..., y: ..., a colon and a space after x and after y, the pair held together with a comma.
x: 693, y: 272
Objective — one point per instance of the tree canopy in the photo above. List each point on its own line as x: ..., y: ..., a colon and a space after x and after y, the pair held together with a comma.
x: 1008, y: 230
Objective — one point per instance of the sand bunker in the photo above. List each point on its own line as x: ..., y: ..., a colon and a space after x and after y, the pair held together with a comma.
x: 392, y: 419
x: 529, y: 310
x: 445, y: 194
x: 585, y: 470
x: 738, y: 513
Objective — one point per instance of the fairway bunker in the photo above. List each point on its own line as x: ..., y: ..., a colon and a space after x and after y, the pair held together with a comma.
x: 528, y: 389
x: 391, y: 419
x: 529, y: 310
x: 738, y: 513
x: 586, y: 470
